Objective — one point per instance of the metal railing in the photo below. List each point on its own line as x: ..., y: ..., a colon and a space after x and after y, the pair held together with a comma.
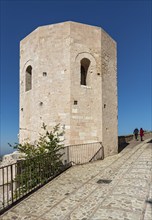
x: 83, y: 153
x: 19, y: 179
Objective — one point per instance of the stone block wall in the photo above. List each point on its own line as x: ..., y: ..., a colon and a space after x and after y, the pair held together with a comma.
x: 109, y: 94
x: 47, y: 51
x: 88, y: 112
x: 86, y: 116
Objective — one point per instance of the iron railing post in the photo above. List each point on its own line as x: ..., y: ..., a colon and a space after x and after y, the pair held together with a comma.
x: 3, y: 188
x: 12, y: 183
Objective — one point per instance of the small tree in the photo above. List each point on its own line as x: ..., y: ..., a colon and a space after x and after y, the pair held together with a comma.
x: 40, y: 161
x: 51, y: 142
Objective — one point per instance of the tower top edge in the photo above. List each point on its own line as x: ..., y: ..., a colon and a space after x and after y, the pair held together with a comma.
x: 66, y: 23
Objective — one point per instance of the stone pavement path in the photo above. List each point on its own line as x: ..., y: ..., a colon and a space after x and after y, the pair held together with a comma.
x: 80, y: 193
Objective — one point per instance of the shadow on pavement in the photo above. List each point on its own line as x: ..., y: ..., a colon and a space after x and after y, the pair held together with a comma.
x: 150, y: 141
x: 122, y: 146
x: 149, y: 201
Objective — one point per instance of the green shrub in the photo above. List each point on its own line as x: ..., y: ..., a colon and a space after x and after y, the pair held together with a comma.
x: 39, y: 162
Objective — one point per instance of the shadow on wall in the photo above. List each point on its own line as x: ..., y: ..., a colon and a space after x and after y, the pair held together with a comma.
x: 123, y: 141
x: 122, y: 145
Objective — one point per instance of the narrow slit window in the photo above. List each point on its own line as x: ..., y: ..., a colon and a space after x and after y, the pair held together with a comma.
x: 44, y: 73
x: 28, y: 85
x: 75, y: 102
x: 85, y: 63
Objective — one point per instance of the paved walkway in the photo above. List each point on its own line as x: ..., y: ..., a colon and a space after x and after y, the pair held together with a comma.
x: 80, y: 193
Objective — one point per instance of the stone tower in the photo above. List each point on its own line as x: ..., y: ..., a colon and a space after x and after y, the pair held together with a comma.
x: 68, y: 75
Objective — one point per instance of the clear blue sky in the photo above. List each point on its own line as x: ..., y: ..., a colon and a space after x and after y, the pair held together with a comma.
x: 128, y: 22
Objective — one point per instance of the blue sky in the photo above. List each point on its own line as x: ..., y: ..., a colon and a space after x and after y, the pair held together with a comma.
x: 128, y: 22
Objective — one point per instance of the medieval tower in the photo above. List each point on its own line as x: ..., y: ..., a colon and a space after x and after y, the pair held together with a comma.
x: 68, y: 75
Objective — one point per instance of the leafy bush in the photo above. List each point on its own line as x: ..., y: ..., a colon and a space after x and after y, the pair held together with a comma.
x: 39, y: 162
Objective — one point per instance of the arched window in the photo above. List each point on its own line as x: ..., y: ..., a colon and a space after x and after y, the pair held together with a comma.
x: 28, y: 78
x: 84, y: 70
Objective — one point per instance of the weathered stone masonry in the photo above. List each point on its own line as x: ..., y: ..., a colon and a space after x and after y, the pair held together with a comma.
x: 68, y: 75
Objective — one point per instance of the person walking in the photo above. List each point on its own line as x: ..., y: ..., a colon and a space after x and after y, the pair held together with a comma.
x: 136, y: 133
x: 141, y: 134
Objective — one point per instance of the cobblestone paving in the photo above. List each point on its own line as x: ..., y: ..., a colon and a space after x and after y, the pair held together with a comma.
x: 80, y: 193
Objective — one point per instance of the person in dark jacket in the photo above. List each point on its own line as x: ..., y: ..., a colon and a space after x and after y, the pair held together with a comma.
x: 141, y: 134
x: 136, y: 133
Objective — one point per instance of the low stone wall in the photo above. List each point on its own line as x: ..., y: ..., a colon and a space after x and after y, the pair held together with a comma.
x: 11, y: 158
x: 123, y: 141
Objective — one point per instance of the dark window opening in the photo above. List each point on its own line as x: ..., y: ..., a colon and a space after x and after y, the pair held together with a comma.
x: 28, y: 85
x: 75, y: 102
x: 83, y: 76
x: 44, y: 73
x: 84, y: 71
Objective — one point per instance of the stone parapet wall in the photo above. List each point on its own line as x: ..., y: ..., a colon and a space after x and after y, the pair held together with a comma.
x: 123, y: 140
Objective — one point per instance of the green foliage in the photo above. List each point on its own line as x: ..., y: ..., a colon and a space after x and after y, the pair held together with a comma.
x: 40, y: 161
x: 50, y: 142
